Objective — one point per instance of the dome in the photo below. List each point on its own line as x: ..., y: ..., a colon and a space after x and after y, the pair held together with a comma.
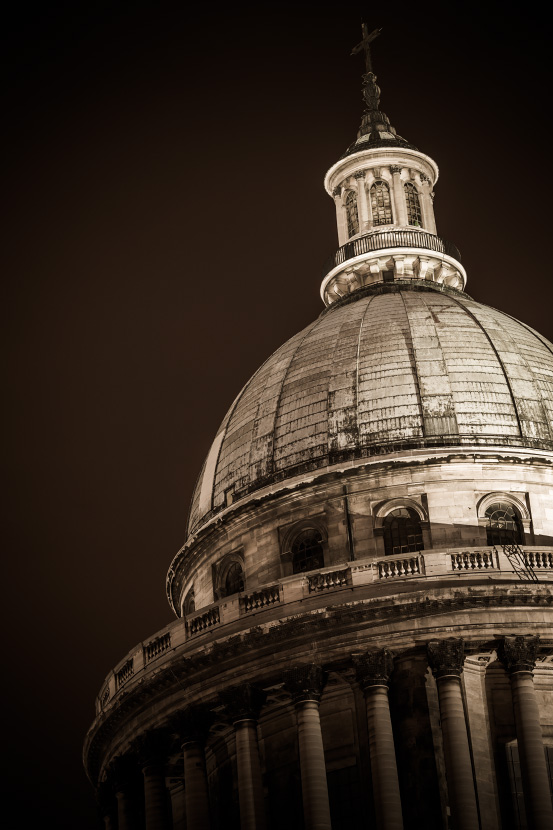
x: 392, y: 367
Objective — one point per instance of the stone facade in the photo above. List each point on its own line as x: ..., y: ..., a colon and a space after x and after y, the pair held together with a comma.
x: 363, y: 604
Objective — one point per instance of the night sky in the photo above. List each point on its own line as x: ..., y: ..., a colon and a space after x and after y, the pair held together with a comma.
x: 166, y: 231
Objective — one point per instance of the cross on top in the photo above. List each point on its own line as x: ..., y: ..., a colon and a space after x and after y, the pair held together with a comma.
x: 364, y: 46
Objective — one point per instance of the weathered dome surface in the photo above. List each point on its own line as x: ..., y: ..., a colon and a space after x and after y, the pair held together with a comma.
x: 392, y: 367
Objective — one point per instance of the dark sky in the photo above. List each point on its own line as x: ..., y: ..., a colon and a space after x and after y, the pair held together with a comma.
x: 166, y: 229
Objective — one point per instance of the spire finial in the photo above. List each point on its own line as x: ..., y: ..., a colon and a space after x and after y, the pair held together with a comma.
x: 365, y: 45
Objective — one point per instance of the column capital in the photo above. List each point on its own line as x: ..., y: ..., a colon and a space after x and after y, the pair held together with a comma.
x: 446, y: 657
x: 373, y: 668
x: 305, y: 682
x: 123, y: 772
x: 152, y: 747
x: 337, y: 191
x: 360, y: 174
x: 518, y: 652
x: 394, y: 168
x: 243, y: 702
x: 192, y: 724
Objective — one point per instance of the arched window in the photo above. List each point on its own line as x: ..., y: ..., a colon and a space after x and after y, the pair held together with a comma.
x: 414, y: 215
x: 504, y: 526
x: 402, y: 532
x: 233, y: 580
x: 307, y: 551
x: 189, y: 605
x: 381, y: 204
x: 351, y: 213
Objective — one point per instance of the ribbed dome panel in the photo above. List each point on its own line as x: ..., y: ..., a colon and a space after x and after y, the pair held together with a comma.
x: 400, y: 368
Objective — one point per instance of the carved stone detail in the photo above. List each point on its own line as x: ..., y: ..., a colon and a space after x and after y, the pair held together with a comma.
x: 359, y: 175
x: 424, y: 178
x: 305, y: 682
x: 519, y: 652
x: 337, y: 191
x: 446, y: 657
x: 192, y: 724
x: 243, y: 702
x: 395, y: 169
x: 373, y: 668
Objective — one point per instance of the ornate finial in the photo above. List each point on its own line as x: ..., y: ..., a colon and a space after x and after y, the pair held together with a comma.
x: 364, y: 46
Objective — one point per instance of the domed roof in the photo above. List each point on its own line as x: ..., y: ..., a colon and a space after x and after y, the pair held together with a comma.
x: 391, y: 367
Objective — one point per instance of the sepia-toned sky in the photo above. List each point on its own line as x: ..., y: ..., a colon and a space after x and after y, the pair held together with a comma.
x: 165, y: 231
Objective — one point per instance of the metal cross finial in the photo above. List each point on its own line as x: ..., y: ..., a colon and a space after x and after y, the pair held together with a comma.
x: 365, y: 46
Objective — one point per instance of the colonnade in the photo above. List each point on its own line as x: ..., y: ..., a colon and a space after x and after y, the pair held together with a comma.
x: 241, y: 706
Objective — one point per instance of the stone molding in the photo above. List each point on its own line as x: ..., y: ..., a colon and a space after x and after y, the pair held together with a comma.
x: 373, y: 668
x: 518, y: 652
x: 305, y: 682
x: 243, y: 702
x: 446, y: 657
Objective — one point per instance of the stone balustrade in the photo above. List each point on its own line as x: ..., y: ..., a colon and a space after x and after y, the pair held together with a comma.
x: 430, y: 565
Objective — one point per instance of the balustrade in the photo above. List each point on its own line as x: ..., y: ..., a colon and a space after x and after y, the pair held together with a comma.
x: 157, y: 646
x: 393, y: 568
x: 473, y: 560
x: 328, y: 580
x: 261, y: 599
x: 125, y: 673
x: 204, y: 621
x: 539, y: 560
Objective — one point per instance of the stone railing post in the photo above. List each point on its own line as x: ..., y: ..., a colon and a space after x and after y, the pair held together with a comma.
x: 242, y: 707
x: 518, y: 655
x: 123, y: 774
x: 192, y: 726
x: 152, y: 749
x: 305, y: 684
x: 446, y: 659
x: 373, y: 671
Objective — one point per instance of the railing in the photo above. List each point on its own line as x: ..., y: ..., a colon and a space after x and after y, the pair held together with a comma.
x: 157, y: 646
x: 125, y: 673
x: 327, y: 581
x: 393, y: 568
x: 391, y: 239
x: 261, y: 599
x: 473, y: 560
x: 539, y: 560
x: 458, y: 564
x: 204, y: 621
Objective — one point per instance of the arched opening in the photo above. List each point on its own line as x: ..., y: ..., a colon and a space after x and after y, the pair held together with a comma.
x: 381, y: 205
x: 504, y: 525
x: 189, y: 604
x: 233, y: 580
x: 352, y: 213
x: 402, y: 532
x: 414, y: 215
x: 307, y: 551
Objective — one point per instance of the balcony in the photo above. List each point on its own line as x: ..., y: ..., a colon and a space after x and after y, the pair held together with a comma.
x: 381, y: 240
x: 355, y: 581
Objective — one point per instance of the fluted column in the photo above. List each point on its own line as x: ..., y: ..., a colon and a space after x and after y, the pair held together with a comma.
x: 518, y: 655
x: 242, y: 706
x: 152, y: 749
x: 192, y: 726
x: 446, y: 660
x: 305, y: 684
x: 373, y: 673
x: 123, y: 773
x: 398, y: 194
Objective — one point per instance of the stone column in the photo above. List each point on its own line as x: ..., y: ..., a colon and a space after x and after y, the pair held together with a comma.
x: 373, y: 671
x: 305, y: 684
x: 518, y: 655
x: 152, y: 749
x: 124, y: 774
x: 107, y: 804
x: 362, y: 204
x: 427, y: 206
x: 242, y: 707
x: 340, y: 216
x: 446, y: 660
x: 398, y: 194
x: 178, y: 806
x: 192, y: 726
